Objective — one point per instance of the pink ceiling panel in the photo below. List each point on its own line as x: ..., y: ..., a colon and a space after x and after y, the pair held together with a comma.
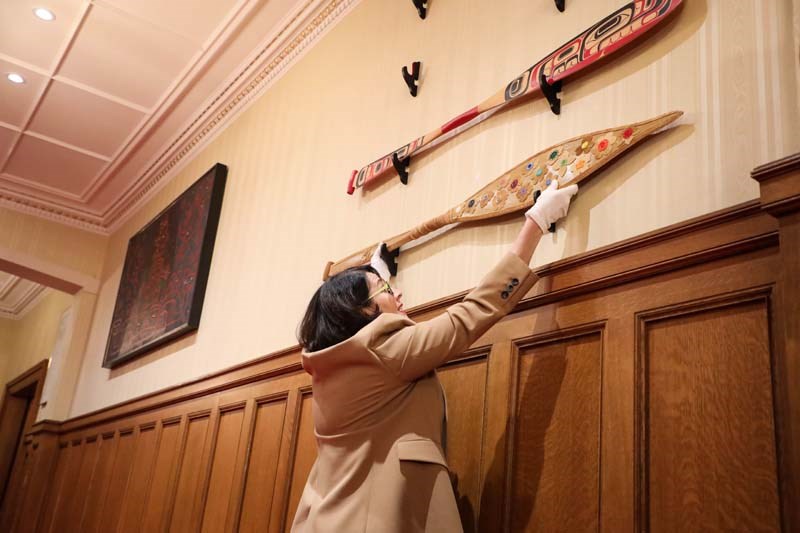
x: 6, y: 140
x: 127, y: 174
x: 195, y: 20
x: 32, y: 40
x: 17, y: 100
x: 44, y: 163
x: 126, y: 57
x: 85, y: 120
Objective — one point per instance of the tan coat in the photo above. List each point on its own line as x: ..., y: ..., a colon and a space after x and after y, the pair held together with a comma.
x: 379, y: 413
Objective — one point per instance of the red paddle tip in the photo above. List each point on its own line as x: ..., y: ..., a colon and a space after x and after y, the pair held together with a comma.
x: 350, y: 187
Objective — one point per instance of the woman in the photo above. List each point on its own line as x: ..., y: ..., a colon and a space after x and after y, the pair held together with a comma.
x: 379, y: 411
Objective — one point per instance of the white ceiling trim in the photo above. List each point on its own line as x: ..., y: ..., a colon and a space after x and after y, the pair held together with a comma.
x: 8, y: 286
x: 22, y: 203
x: 299, y: 31
x: 72, y: 83
x: 25, y: 303
x: 196, y: 65
x: 49, y: 74
x: 38, y: 186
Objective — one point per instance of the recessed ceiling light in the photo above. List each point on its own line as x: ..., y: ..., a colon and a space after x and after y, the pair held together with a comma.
x: 13, y: 77
x: 44, y: 14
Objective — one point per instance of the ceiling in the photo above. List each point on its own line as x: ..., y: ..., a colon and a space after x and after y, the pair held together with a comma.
x: 118, y: 92
x: 17, y: 296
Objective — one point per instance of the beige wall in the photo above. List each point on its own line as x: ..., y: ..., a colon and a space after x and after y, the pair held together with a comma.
x: 25, y: 342
x: 6, y: 340
x: 53, y: 248
x: 725, y: 63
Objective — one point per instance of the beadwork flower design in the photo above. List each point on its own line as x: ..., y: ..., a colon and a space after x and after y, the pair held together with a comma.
x: 524, y: 191
x: 485, y: 197
x: 500, y: 197
x: 627, y: 135
x: 605, y: 145
x: 560, y: 165
x: 583, y: 162
x: 584, y: 146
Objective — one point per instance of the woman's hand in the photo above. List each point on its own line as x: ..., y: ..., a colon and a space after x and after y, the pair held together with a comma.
x: 551, y: 205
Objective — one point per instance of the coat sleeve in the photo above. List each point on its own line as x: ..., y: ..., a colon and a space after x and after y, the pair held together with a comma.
x: 412, y: 350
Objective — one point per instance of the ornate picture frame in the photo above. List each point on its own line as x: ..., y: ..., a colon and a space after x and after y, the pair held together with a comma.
x: 166, y: 269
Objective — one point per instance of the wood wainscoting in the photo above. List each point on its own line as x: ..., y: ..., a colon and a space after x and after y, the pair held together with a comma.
x: 644, y: 386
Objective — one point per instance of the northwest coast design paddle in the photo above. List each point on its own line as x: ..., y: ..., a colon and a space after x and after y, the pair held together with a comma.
x: 570, y: 162
x: 608, y: 35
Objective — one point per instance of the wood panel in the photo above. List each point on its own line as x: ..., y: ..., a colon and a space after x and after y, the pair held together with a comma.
x: 556, y: 463
x: 465, y: 389
x: 779, y: 184
x: 89, y: 458
x: 262, y: 468
x: 133, y: 506
x: 109, y: 517
x: 159, y: 498
x: 226, y: 451
x: 66, y: 497
x: 305, y: 452
x: 92, y: 517
x: 568, y: 415
x: 57, y: 492
x: 708, y: 444
x: 191, y: 480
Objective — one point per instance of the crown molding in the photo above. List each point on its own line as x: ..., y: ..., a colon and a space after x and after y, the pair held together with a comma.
x: 299, y: 32
x: 26, y: 302
x: 9, y: 286
x: 52, y: 212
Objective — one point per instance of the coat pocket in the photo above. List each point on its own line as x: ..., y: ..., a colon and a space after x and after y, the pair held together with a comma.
x: 420, y: 450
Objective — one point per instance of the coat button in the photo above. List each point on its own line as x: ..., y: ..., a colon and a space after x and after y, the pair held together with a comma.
x: 504, y: 295
x: 510, y: 288
x: 514, y: 282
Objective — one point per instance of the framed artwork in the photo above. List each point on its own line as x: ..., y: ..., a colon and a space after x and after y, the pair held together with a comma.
x: 166, y: 268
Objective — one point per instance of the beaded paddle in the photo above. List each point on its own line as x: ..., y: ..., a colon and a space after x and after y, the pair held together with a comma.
x: 571, y: 161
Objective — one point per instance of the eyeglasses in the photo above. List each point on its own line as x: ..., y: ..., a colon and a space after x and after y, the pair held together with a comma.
x: 384, y: 288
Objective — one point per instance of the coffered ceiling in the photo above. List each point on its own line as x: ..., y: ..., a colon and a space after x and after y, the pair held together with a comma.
x: 117, y: 93
x: 17, y: 295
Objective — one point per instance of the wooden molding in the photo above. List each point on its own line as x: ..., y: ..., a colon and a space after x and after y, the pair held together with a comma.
x: 29, y: 376
x: 231, y: 449
x: 739, y: 229
x: 780, y: 185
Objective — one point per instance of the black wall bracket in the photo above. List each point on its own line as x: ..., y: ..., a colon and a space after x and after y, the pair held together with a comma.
x: 536, y: 195
x: 401, y: 166
x: 422, y: 8
x: 550, y: 91
x: 412, y: 78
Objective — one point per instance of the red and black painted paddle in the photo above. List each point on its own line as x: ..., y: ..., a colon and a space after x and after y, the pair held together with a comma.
x: 610, y: 34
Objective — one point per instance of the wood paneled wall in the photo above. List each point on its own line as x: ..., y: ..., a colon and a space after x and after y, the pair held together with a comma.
x: 643, y: 386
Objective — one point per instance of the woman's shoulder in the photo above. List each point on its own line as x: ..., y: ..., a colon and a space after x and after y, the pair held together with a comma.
x: 386, y: 324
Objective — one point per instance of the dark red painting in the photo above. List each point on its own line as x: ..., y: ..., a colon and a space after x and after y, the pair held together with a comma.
x: 166, y: 268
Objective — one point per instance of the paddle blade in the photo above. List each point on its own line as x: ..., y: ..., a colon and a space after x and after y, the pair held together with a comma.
x: 570, y: 162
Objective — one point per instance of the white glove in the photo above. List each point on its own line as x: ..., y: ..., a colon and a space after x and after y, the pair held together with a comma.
x: 379, y: 264
x: 551, y: 205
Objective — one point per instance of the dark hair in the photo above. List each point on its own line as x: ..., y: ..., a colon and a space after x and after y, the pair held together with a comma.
x: 337, y: 311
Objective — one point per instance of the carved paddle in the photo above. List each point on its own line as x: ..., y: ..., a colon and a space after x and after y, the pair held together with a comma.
x: 606, y: 36
x: 571, y: 161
